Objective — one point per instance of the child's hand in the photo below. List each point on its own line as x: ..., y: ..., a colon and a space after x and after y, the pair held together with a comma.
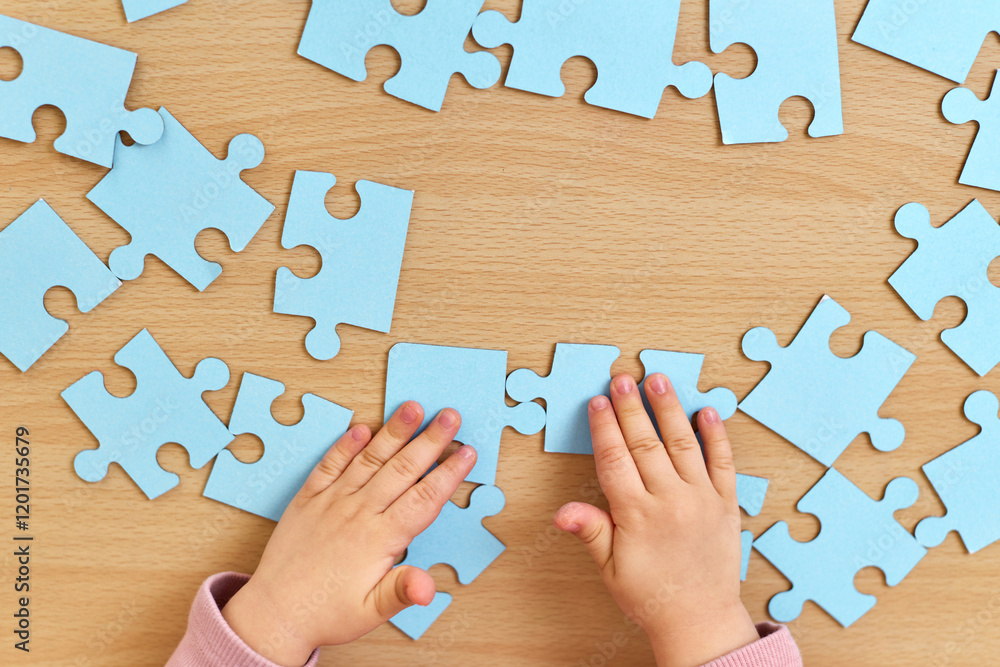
x: 326, y: 576
x: 669, y: 551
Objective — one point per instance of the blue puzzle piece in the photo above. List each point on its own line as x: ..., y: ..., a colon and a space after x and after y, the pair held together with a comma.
x: 165, y: 194
x: 960, y: 106
x: 631, y: 43
x: 750, y: 492
x: 468, y: 380
x: 942, y: 36
x: 38, y: 251
x: 821, y: 402
x: 266, y: 486
x: 416, y: 620
x: 140, y: 9
x: 87, y: 81
x: 683, y: 369
x: 746, y: 545
x: 362, y: 257
x: 966, y: 480
x: 796, y: 47
x: 457, y: 537
x: 165, y: 407
x: 431, y: 45
x: 954, y: 260
x: 856, y: 532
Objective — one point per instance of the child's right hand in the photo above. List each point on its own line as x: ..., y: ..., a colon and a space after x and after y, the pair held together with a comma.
x: 669, y: 550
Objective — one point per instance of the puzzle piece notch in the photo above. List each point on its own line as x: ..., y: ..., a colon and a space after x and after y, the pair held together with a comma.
x: 38, y: 251
x: 941, y: 36
x: 469, y: 380
x: 266, y: 486
x: 821, y: 402
x: 797, y: 55
x: 431, y: 45
x: 961, y: 106
x: 136, y: 10
x: 457, y: 537
x: 357, y: 281
x: 953, y: 260
x: 965, y: 479
x: 631, y: 44
x: 416, y: 620
x: 165, y: 194
x: 86, y: 80
x: 165, y: 407
x: 855, y: 532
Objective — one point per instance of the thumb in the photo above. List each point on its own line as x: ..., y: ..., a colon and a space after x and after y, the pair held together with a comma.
x: 400, y: 588
x: 593, y: 526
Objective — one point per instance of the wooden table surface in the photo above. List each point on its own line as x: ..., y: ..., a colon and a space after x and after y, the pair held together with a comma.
x: 536, y: 221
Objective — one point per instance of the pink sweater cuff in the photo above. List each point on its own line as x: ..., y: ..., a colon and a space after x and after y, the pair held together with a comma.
x: 209, y: 641
x: 775, y: 648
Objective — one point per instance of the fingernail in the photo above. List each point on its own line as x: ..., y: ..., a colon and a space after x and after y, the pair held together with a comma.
x: 358, y: 433
x: 466, y: 452
x: 599, y: 403
x: 448, y: 418
x: 409, y: 413
x: 658, y: 383
x: 711, y: 416
x: 624, y: 384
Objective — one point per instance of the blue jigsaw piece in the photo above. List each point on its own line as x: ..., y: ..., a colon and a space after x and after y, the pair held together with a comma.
x: 796, y: 47
x: 38, y: 251
x: 683, y: 369
x: 966, y: 480
x: 141, y: 9
x: 631, y: 43
x: 856, y: 532
x: 750, y: 492
x: 86, y: 80
x: 457, y: 537
x: 472, y: 382
x: 579, y: 372
x: 362, y: 258
x: 941, y: 36
x: 960, y: 106
x: 821, y: 402
x: 416, y: 620
x: 954, y: 260
x: 165, y: 407
x: 746, y: 545
x: 165, y: 194
x: 266, y: 486
x: 431, y: 45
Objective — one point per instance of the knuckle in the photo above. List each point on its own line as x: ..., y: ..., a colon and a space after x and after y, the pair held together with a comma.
x: 683, y: 444
x: 371, y: 460
x: 645, y: 445
x: 428, y: 493
x: 404, y: 466
x: 612, y: 458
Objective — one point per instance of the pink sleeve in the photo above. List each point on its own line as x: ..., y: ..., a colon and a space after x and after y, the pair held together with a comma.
x: 209, y: 641
x: 775, y: 648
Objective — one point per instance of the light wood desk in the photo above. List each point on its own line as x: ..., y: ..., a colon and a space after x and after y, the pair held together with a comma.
x: 536, y: 221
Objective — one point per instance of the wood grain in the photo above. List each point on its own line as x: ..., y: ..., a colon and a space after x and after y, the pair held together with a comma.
x: 536, y: 221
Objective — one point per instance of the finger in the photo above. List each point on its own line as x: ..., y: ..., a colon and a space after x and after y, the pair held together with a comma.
x: 413, y: 461
x: 678, y: 436
x: 592, y: 526
x: 383, y: 446
x: 616, y: 469
x: 421, y: 503
x: 650, y: 457
x: 718, y: 453
x: 400, y: 588
x: 335, y: 461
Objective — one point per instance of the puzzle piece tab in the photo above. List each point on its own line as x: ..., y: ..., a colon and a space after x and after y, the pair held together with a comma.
x: 796, y: 47
x: 960, y: 106
x: 140, y: 9
x: 86, y: 80
x: 819, y: 401
x: 631, y: 43
x: 468, y: 380
x: 431, y: 45
x: 954, y: 260
x: 266, y: 486
x: 966, y: 480
x: 856, y: 532
x: 165, y: 194
x: 416, y: 620
x: 38, y: 251
x: 165, y: 407
x: 941, y: 36
x: 362, y: 257
x: 457, y: 537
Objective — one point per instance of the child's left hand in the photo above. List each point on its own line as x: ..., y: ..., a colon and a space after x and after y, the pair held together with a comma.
x: 327, y: 576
